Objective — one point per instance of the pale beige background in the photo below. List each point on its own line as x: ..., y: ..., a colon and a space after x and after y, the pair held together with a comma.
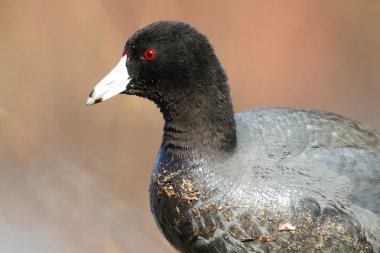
x: 74, y: 178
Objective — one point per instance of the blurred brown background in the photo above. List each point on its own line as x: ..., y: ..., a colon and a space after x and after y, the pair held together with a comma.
x: 75, y: 178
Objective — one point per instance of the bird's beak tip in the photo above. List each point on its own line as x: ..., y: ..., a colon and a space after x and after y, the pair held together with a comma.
x: 90, y: 101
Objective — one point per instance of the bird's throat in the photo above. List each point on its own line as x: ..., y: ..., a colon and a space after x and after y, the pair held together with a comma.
x: 199, y: 125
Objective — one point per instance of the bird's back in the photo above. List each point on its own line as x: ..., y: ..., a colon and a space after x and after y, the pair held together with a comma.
x: 316, y: 159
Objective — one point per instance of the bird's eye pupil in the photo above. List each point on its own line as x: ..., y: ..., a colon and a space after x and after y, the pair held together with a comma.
x: 149, y: 54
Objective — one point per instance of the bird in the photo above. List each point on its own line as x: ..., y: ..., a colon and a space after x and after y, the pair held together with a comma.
x: 265, y: 180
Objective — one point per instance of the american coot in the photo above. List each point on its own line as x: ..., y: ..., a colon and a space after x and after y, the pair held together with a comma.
x: 268, y: 180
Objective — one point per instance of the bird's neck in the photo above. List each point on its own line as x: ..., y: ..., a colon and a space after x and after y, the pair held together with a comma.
x: 196, y: 124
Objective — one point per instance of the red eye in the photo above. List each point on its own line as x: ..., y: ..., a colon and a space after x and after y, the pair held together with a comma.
x: 150, y: 54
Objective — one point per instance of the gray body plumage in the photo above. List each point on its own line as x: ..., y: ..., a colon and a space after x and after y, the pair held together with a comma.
x: 299, y: 180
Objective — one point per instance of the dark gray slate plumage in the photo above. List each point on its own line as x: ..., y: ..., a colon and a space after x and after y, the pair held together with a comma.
x: 267, y: 180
